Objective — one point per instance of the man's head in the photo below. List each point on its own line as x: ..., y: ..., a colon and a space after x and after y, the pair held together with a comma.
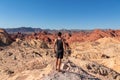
x: 59, y: 34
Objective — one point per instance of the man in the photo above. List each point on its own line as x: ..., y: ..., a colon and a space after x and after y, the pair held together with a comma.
x: 59, y: 50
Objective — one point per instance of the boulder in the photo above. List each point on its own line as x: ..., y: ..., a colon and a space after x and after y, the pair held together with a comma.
x: 44, y: 45
x: 4, y: 38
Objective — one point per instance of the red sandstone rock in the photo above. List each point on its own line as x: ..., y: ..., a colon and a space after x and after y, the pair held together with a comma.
x: 74, y: 36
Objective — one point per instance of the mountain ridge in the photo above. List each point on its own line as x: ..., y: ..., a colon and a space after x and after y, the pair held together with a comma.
x: 31, y: 29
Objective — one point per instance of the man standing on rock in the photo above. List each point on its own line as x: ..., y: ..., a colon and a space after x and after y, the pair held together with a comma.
x: 59, y: 50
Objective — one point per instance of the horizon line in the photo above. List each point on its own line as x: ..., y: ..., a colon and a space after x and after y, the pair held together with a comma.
x: 59, y: 29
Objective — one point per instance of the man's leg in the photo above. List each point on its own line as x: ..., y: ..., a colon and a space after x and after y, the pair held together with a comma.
x: 56, y: 63
x: 59, y: 64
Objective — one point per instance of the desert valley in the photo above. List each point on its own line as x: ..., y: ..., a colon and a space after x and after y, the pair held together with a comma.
x: 90, y: 55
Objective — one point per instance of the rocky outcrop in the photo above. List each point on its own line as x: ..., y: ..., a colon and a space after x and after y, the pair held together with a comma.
x: 100, y: 71
x: 97, y: 69
x: 70, y: 72
x: 4, y: 38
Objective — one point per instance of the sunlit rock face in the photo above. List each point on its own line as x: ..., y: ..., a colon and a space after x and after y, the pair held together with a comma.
x: 4, y: 38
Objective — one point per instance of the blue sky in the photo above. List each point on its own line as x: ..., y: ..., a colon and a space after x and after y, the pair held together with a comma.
x: 60, y: 14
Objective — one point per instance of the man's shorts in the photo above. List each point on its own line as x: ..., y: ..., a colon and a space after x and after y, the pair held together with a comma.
x: 59, y: 54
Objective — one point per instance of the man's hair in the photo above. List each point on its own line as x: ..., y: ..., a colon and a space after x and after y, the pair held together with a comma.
x: 59, y: 33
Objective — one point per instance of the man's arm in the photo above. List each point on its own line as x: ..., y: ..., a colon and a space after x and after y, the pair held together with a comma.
x: 64, y: 45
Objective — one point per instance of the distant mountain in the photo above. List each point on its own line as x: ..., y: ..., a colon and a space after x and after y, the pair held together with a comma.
x: 30, y: 29
x: 23, y: 29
